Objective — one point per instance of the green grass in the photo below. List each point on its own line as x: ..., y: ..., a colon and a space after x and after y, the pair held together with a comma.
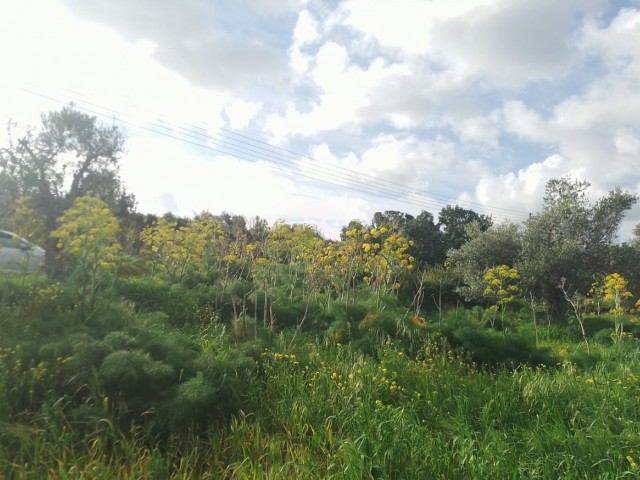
x: 333, y: 413
x: 130, y: 395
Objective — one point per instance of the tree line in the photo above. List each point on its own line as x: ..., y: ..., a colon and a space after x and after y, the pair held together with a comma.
x: 60, y: 187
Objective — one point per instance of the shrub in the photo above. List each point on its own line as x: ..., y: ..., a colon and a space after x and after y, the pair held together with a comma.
x: 486, y: 346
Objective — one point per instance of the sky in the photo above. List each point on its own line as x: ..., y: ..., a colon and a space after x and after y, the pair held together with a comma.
x: 320, y: 112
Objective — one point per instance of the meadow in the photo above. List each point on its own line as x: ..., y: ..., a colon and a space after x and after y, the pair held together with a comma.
x: 133, y: 392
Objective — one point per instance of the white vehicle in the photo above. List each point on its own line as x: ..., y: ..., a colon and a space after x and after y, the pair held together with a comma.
x: 18, y: 254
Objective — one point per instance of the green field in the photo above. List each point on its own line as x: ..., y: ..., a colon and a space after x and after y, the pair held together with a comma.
x: 128, y: 393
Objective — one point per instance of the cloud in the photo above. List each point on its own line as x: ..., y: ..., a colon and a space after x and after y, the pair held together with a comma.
x: 306, y: 29
x: 400, y: 172
x: 187, y: 181
x: 65, y: 60
x: 616, y: 44
x: 514, y: 43
x: 597, y: 130
x: 525, y: 122
x: 240, y: 112
x: 515, y: 193
x: 187, y: 41
x: 344, y: 88
x: 404, y: 24
x: 485, y: 97
x: 480, y: 129
x: 507, y: 43
x: 445, y: 60
x: 274, y: 7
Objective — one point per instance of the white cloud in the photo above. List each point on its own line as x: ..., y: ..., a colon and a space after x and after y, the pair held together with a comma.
x: 512, y: 43
x: 240, y: 112
x: 515, y: 193
x: 627, y: 143
x: 306, y: 29
x: 404, y: 24
x: 615, y: 44
x: 346, y: 91
x: 188, y: 181
x: 525, y: 122
x: 114, y: 78
x: 275, y: 7
x: 481, y: 129
x: 189, y: 41
x: 598, y: 130
x: 434, y: 95
x: 509, y: 43
x: 400, y: 172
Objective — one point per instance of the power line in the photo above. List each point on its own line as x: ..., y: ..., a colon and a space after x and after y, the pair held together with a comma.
x: 250, y: 149
x: 370, y: 178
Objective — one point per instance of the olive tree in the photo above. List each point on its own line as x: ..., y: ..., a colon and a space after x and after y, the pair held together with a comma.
x: 499, y: 245
x: 569, y: 238
x: 44, y: 170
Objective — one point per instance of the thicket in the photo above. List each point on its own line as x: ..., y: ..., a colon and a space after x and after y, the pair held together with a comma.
x: 214, y: 347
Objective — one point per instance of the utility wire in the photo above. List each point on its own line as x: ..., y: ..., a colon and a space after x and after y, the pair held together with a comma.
x: 241, y: 148
x: 199, y: 132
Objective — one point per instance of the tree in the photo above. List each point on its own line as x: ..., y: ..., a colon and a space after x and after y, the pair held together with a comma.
x: 569, y: 237
x: 353, y: 225
x: 429, y: 244
x: 70, y: 156
x: 635, y: 242
x: 499, y: 245
x: 391, y: 219
x: 453, y: 222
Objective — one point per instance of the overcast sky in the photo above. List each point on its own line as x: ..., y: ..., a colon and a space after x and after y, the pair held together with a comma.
x: 324, y: 111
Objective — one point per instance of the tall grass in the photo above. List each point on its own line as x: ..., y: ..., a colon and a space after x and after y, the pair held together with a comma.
x: 130, y: 395
x: 331, y: 412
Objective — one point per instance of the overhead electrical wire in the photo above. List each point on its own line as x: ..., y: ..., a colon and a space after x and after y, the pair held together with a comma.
x: 297, y: 156
x: 249, y: 149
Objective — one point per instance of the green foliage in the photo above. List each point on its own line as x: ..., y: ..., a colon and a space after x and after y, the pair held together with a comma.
x: 486, y: 346
x: 455, y: 223
x: 183, y: 306
x: 499, y: 245
x: 583, y: 359
x: 569, y: 237
x: 272, y: 353
x: 44, y: 170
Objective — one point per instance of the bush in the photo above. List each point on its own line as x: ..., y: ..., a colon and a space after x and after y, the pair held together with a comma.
x: 218, y: 390
x: 182, y: 305
x: 135, y: 378
x: 487, y: 346
x: 583, y: 359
